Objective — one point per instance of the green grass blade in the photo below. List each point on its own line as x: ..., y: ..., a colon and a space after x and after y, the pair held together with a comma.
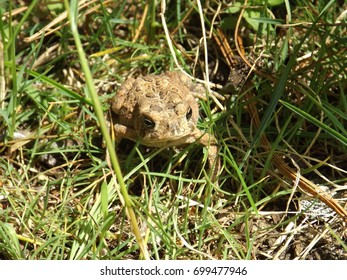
x: 341, y: 138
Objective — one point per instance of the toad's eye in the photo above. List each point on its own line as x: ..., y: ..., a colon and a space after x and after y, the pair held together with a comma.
x: 189, y: 113
x: 149, y: 123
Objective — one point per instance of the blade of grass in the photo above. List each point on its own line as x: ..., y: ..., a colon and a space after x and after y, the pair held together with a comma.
x: 280, y: 88
x: 318, y: 123
x: 72, y: 12
x: 8, y: 236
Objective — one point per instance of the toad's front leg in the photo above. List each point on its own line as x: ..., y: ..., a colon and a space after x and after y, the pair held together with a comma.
x: 210, y: 142
x: 122, y: 131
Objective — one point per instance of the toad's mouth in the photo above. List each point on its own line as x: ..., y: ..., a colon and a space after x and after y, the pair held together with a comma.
x: 168, y: 134
x: 154, y: 139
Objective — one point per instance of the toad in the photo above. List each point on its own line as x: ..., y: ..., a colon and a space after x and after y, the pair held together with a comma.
x: 161, y: 111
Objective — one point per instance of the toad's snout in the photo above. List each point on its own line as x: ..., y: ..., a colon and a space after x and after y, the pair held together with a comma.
x: 179, y: 129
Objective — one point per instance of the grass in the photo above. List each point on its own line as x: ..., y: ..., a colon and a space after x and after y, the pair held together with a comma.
x: 281, y: 132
